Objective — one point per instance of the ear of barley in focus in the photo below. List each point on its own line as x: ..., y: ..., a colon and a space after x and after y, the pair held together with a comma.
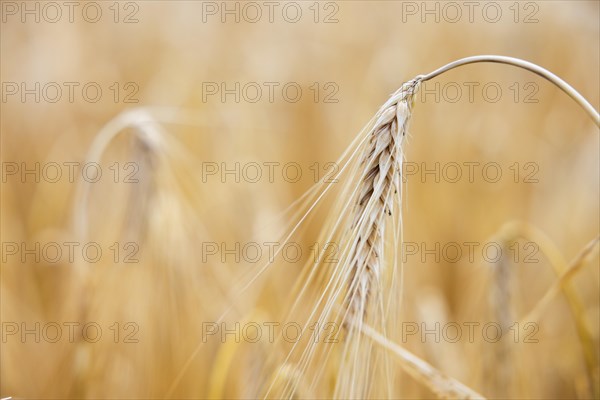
x: 379, y: 189
x: 362, y: 285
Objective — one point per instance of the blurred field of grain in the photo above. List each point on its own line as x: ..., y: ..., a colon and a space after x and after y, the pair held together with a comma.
x: 169, y: 53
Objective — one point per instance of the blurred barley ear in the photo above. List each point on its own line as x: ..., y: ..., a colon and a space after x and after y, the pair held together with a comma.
x: 148, y: 135
x: 499, y: 365
x: 516, y: 230
x: 147, y: 142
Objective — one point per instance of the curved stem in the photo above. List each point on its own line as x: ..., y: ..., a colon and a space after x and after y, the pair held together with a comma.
x: 536, y: 69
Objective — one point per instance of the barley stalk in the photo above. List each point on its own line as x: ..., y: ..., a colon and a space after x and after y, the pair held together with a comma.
x: 443, y: 386
x: 526, y: 65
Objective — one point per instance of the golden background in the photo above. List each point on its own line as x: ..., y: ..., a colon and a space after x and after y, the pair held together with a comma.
x: 366, y: 51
